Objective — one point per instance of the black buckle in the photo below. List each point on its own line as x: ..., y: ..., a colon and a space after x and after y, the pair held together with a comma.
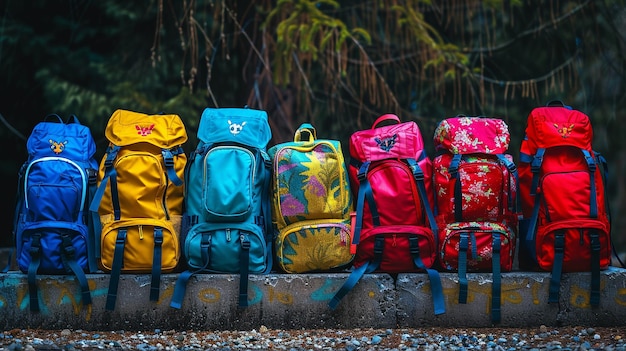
x: 168, y: 157
x: 414, y: 245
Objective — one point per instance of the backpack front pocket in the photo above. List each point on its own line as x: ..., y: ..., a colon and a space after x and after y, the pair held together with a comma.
x: 227, y: 191
x: 139, y: 237
x: 312, y: 246
x: 141, y: 181
x: 577, y: 244
x: 310, y: 183
x: 474, y: 241
x: 219, y: 249
x: 54, y: 243
x: 398, y: 242
x: 55, y: 190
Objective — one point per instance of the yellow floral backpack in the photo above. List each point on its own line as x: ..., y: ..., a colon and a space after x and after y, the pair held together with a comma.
x: 311, y: 204
x: 139, y: 201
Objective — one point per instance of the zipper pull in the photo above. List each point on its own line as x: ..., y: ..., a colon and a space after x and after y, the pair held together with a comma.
x: 227, y: 234
x: 141, y: 232
x: 394, y: 241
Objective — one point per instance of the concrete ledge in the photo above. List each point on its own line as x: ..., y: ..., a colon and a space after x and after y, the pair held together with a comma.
x: 285, y: 301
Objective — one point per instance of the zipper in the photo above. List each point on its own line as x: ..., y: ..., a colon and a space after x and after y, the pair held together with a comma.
x: 228, y: 234
x: 140, y: 232
x: 50, y: 158
x: 582, y: 237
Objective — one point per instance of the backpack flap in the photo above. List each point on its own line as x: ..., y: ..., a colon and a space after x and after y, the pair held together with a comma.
x: 550, y: 126
x: 241, y: 125
x: 73, y: 141
x: 467, y: 135
x: 128, y: 127
x: 400, y: 140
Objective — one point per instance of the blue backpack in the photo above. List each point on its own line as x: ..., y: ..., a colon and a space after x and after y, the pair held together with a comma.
x: 52, y: 228
x: 227, y: 220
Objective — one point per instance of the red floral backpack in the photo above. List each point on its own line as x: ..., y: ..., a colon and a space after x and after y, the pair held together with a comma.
x: 475, y: 189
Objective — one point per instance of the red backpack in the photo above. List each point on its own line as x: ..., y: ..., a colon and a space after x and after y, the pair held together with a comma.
x: 393, y: 228
x: 566, y: 224
x: 476, y: 209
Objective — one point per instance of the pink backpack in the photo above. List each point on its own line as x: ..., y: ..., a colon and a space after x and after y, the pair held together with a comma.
x: 475, y: 190
x: 394, y: 228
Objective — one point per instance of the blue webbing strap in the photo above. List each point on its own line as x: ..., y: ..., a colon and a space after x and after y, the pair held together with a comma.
x: 156, y: 264
x: 268, y: 229
x: 168, y: 160
x: 594, y: 299
x: 458, y: 196
x: 496, y: 286
x: 418, y: 175
x: 357, y: 273
x: 69, y: 260
x: 365, y: 193
x: 111, y: 154
x: 436, y: 288
x: 595, y: 239
x: 557, y: 267
x: 244, y: 258
x: 463, y: 246
x: 91, y: 224
x: 183, y: 278
x: 180, y: 288
x: 593, y: 205
x: 532, y: 226
x: 535, y: 167
x: 35, y: 261
x: 514, y: 204
x: 116, y: 269
x: 433, y: 275
x: 115, y: 198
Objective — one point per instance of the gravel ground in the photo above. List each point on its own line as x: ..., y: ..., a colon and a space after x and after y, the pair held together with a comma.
x: 542, y: 338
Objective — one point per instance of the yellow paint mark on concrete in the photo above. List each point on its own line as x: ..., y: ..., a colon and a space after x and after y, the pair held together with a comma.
x: 209, y: 295
x: 284, y: 298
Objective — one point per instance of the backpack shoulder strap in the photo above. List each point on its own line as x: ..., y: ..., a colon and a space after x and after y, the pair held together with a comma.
x: 419, y: 177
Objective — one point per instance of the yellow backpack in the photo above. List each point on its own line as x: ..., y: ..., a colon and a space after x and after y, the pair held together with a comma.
x: 139, y: 201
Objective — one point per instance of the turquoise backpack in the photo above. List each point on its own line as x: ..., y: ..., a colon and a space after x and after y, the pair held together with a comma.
x: 227, y: 201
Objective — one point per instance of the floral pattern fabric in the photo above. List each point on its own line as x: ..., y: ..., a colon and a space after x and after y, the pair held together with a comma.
x: 480, y: 245
x: 465, y: 135
x: 472, y: 163
x: 311, y: 205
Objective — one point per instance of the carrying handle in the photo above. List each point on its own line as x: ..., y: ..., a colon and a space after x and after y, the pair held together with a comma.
x: 72, y: 119
x: 308, y: 129
x: 46, y: 119
x: 555, y: 103
x: 386, y: 117
x: 558, y: 103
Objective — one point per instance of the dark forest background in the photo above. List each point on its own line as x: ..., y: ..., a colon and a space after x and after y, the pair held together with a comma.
x: 336, y: 64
